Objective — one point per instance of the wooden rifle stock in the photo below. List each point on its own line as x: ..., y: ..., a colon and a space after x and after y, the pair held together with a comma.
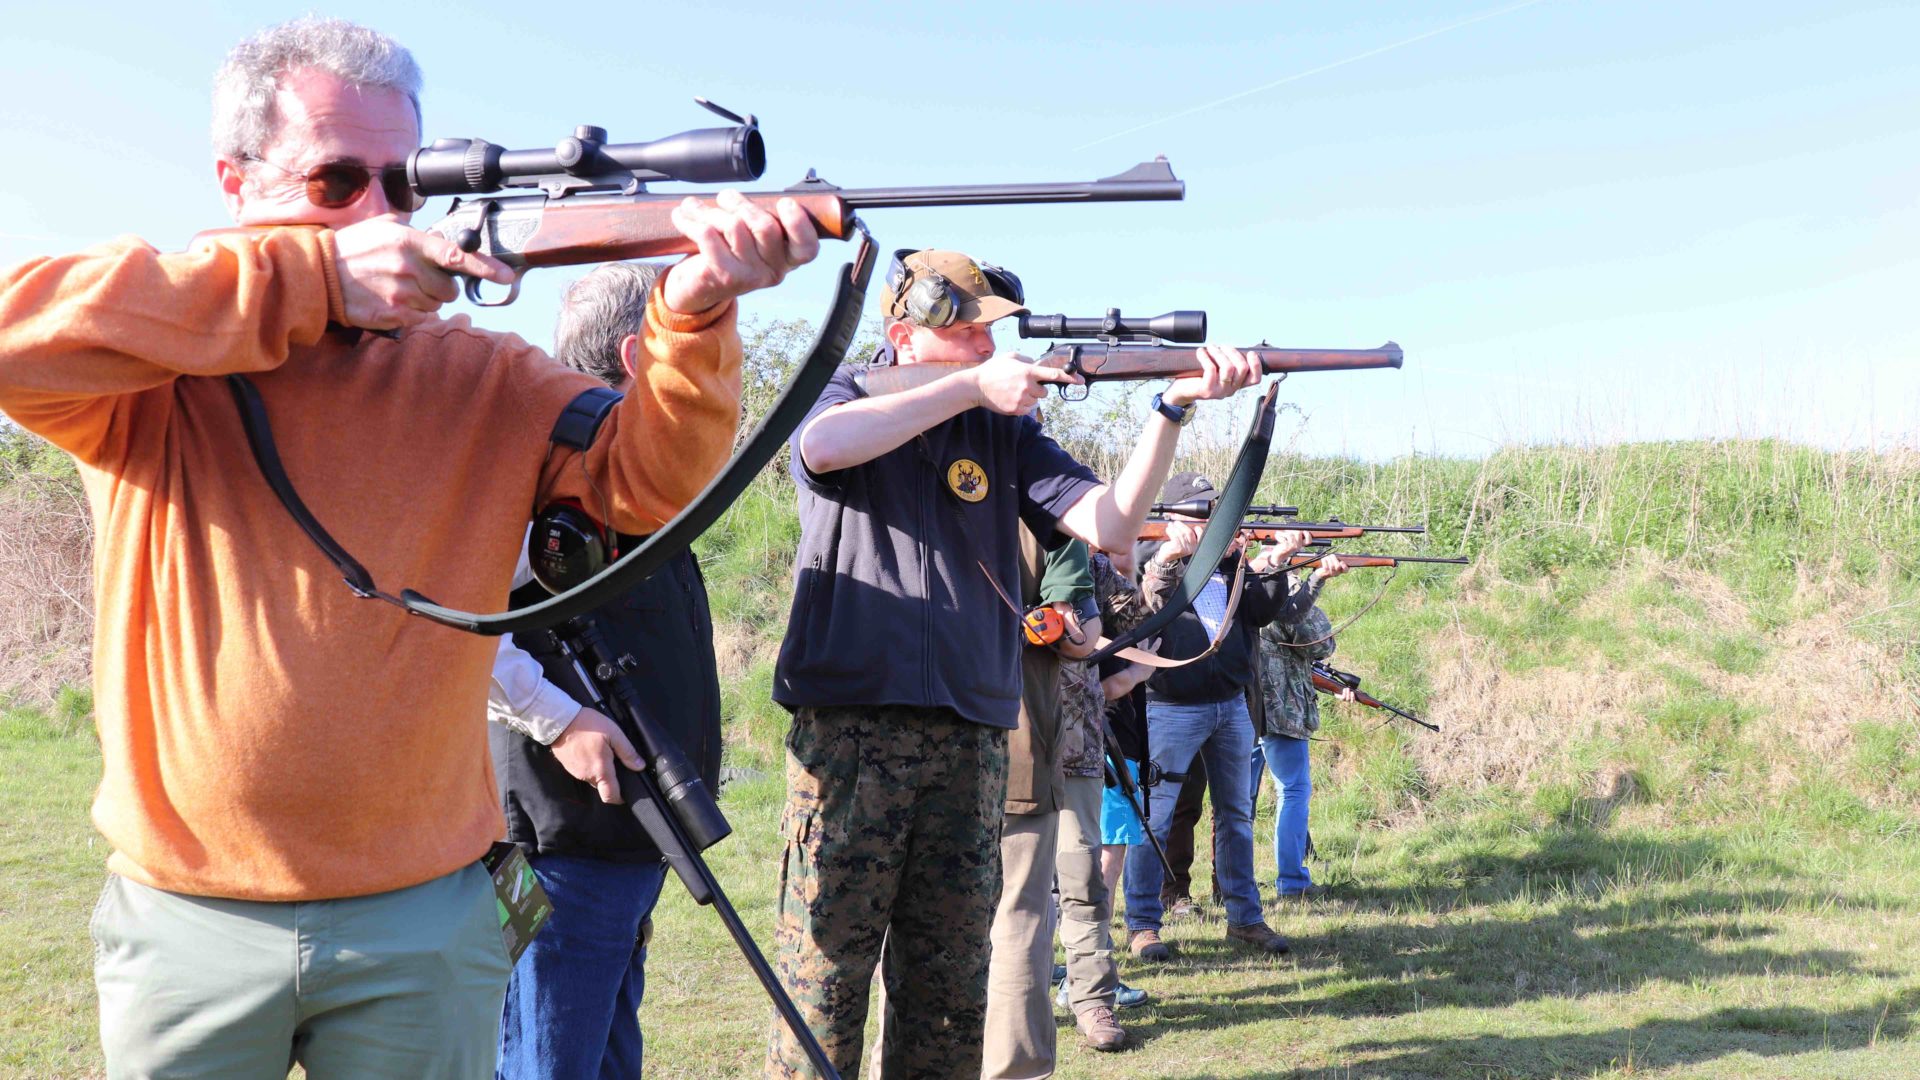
x: 1101, y: 362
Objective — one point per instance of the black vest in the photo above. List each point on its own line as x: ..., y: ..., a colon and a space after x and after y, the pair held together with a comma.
x: 664, y: 623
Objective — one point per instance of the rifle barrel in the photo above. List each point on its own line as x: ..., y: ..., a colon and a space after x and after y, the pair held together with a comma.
x: 1455, y: 560
x: 1149, y: 181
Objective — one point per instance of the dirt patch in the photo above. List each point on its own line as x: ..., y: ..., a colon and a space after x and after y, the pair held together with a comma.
x: 737, y: 650
x: 1506, y: 729
x: 46, y: 590
x: 1803, y: 695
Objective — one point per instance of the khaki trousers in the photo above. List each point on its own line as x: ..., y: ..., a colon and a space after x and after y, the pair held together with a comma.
x: 1086, y: 906
x: 1020, y: 1035
x: 402, y: 983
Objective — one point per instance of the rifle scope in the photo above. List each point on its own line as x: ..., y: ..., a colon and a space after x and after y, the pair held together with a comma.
x: 586, y: 160
x: 1187, y: 327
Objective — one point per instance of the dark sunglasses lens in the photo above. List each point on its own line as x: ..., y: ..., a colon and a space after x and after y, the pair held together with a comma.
x: 400, y: 194
x: 335, y: 186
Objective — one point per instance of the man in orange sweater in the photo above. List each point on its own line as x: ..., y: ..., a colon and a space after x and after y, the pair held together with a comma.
x: 297, y: 785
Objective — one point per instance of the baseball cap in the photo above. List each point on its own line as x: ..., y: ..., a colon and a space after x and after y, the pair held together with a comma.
x: 1186, y: 487
x: 982, y: 293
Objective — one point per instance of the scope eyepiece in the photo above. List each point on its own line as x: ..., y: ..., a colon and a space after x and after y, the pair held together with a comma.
x: 1185, y: 327
x: 586, y: 160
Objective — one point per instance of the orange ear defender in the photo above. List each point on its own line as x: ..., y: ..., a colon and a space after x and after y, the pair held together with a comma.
x: 1043, y: 625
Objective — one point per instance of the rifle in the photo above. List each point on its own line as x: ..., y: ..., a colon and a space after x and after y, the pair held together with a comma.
x: 1267, y: 531
x: 1132, y: 349
x: 1299, y: 559
x: 1329, y: 680
x: 1203, y: 508
x: 1116, y: 765
x: 594, y: 204
x: 671, y: 802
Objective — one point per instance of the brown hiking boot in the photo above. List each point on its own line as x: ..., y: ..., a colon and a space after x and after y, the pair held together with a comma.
x: 1260, y: 936
x: 1101, y: 1031
x: 1182, y: 907
x: 1146, y: 945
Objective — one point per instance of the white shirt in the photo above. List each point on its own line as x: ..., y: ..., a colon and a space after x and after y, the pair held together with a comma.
x: 1211, y: 604
x: 519, y: 695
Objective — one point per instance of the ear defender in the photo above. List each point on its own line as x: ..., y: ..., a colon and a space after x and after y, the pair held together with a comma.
x: 1043, y: 625
x: 567, y: 546
x: 929, y: 300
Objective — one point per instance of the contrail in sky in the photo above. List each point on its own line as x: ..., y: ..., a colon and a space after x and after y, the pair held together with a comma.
x: 1297, y: 76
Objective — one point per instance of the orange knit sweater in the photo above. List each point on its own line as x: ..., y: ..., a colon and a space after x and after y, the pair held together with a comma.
x: 266, y: 734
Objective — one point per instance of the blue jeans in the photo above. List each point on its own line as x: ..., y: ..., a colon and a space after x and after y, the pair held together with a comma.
x: 1286, y: 758
x: 573, y: 1002
x: 1221, y: 734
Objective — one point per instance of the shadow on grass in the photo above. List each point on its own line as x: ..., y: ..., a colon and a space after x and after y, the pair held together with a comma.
x: 1766, y: 1032
x: 1562, y: 914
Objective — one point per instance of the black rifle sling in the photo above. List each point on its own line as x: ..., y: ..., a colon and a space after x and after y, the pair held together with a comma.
x: 253, y: 417
x: 1228, y: 509
x: 829, y: 350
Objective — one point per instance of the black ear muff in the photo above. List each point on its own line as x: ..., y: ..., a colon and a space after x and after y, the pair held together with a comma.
x: 566, y: 547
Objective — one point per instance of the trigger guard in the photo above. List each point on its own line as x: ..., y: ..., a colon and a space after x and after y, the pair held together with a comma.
x: 471, y: 285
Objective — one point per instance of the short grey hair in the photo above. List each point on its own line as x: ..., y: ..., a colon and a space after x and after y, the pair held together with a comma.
x: 244, y: 117
x: 597, y: 311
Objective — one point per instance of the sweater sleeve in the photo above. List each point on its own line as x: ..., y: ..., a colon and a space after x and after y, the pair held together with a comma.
x: 79, y: 334
x: 671, y: 433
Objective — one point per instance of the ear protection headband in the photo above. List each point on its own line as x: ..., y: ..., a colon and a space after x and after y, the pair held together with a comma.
x: 930, y: 300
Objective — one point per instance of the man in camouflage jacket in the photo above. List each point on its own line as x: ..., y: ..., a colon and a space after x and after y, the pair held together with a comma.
x: 1285, y: 710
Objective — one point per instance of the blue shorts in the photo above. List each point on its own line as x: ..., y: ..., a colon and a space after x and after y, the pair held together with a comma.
x: 1118, y: 823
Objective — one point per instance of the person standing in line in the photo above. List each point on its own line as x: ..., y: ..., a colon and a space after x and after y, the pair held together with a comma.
x: 901, y: 662
x: 1285, y: 710
x: 1199, y: 710
x: 572, y: 1005
x: 296, y: 783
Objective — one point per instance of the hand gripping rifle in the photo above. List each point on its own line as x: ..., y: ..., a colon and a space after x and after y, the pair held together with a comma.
x: 1162, y: 347
x: 671, y: 801
x: 1329, y: 680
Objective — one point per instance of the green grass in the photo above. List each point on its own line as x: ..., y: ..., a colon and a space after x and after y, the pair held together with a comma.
x: 1494, y: 939
x: 1671, y: 826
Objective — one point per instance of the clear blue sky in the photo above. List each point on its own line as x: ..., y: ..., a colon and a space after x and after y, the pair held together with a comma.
x: 1584, y: 221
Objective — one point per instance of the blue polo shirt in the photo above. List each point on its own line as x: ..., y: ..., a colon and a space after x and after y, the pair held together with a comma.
x: 889, y: 606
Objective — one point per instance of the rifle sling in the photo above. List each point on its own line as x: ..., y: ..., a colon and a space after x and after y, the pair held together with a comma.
x: 1229, y: 508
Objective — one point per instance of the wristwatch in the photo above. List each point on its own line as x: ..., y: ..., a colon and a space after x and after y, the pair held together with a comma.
x: 1175, y: 413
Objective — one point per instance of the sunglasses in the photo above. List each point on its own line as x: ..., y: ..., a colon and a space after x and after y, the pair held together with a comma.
x: 338, y: 184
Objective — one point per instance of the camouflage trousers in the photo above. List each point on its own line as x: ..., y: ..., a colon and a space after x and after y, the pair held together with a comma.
x: 892, y: 830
